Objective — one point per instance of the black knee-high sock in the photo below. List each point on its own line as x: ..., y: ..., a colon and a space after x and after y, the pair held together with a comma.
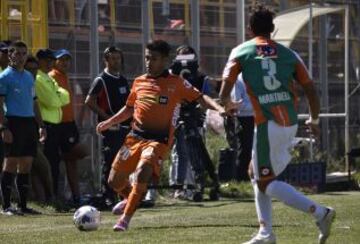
x: 22, y: 184
x: 6, y: 184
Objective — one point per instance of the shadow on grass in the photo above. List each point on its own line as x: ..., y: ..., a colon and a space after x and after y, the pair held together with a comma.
x: 206, y: 226
x: 220, y: 203
x: 336, y: 193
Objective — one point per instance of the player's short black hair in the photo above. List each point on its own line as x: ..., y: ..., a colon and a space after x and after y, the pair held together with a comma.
x: 159, y: 46
x: 16, y: 44
x: 114, y: 49
x: 261, y: 19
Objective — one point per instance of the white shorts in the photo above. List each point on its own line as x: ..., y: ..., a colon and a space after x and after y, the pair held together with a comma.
x: 271, y: 149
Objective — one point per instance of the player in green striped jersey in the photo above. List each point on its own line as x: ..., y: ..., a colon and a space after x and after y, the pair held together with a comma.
x: 269, y: 71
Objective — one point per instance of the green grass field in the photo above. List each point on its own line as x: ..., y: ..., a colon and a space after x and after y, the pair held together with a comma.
x: 173, y: 221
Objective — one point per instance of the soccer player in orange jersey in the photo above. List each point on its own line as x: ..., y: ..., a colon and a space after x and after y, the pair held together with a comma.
x: 154, y: 103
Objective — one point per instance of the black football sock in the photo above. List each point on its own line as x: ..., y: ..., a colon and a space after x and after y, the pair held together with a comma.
x: 6, y: 184
x: 22, y: 184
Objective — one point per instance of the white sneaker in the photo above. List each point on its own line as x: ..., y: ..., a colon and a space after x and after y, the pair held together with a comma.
x: 151, y: 195
x: 262, y: 239
x: 10, y: 212
x: 325, y: 225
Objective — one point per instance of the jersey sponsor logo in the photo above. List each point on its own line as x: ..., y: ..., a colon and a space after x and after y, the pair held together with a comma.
x: 266, y: 51
x: 274, y: 97
x: 265, y: 171
x: 163, y: 99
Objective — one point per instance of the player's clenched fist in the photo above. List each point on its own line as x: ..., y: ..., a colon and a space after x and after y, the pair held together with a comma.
x: 102, y: 126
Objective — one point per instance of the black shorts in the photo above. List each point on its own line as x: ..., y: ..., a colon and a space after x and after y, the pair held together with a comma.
x: 68, y: 136
x: 25, y: 137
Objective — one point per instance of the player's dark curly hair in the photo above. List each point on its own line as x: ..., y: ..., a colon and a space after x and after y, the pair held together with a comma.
x: 159, y: 46
x: 261, y: 19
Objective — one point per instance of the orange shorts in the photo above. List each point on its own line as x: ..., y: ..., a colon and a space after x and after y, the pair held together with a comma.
x: 135, y: 150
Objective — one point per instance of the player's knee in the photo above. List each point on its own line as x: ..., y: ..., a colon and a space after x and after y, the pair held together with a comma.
x: 144, y: 173
x: 116, y: 179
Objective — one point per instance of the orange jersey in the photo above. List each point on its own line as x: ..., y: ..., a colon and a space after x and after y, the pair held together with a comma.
x: 156, y: 103
x: 63, y: 81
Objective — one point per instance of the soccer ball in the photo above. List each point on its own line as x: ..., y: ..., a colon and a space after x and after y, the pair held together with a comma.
x: 87, y: 218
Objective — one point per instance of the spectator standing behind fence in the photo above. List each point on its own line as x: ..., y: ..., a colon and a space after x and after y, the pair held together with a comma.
x: 240, y: 129
x: 269, y: 70
x: 51, y: 99
x: 18, y: 128
x: 107, y: 95
x: 41, y: 180
x: 71, y: 149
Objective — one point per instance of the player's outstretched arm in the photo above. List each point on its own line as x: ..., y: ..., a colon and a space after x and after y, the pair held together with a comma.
x: 124, y: 114
x: 208, y: 102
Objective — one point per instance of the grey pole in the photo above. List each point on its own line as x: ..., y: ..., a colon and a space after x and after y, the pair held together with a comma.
x: 310, y: 40
x: 94, y: 39
x: 240, y: 21
x: 346, y: 80
x: 145, y: 23
x: 94, y: 70
x: 310, y: 59
x: 323, y: 50
x: 195, y: 26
